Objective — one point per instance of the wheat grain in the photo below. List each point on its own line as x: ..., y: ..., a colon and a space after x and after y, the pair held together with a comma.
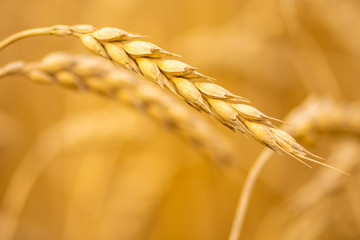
x: 160, y: 67
x: 97, y: 75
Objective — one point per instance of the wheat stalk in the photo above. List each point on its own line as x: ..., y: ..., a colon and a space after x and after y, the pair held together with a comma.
x: 90, y: 73
x: 160, y: 67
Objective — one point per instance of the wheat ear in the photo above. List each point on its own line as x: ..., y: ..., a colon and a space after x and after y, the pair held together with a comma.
x: 325, y: 115
x: 160, y: 67
x: 90, y: 73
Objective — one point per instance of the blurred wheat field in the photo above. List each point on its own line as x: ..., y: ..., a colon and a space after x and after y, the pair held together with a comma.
x: 77, y: 166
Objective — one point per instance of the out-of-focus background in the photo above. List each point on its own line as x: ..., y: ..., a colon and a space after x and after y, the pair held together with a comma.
x: 76, y: 166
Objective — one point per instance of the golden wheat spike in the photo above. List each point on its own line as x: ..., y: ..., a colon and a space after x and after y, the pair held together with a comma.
x: 160, y: 67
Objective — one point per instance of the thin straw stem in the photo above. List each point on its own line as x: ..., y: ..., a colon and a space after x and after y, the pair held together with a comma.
x: 246, y: 193
x: 24, y: 34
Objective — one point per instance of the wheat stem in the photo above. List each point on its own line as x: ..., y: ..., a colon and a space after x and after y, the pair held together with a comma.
x: 246, y: 193
x: 11, y: 68
x: 25, y: 34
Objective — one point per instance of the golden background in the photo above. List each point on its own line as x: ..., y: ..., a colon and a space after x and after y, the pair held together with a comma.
x: 94, y: 169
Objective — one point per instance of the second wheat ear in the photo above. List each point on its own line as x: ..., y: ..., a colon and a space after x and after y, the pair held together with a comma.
x: 162, y: 68
x: 94, y: 74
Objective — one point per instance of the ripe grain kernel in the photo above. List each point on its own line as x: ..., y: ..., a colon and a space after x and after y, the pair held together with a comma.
x: 93, y: 45
x: 175, y: 67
